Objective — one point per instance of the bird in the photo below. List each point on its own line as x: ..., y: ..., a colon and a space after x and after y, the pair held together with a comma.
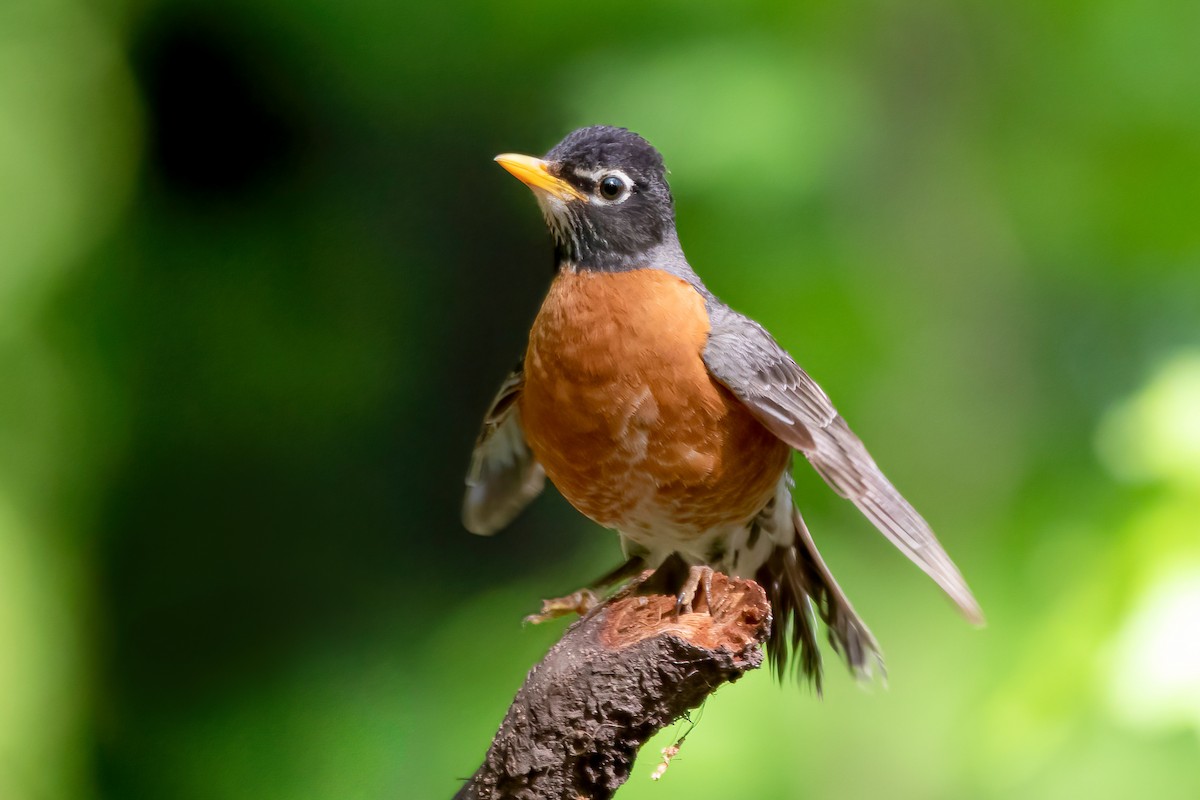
x: 658, y: 411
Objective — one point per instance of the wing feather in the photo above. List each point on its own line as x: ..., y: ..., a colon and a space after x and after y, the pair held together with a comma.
x: 504, y: 476
x: 744, y: 357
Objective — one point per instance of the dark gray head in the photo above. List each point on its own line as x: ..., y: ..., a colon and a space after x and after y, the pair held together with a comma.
x: 604, y: 193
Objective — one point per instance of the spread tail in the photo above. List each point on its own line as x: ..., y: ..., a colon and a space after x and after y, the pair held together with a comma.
x: 801, y: 588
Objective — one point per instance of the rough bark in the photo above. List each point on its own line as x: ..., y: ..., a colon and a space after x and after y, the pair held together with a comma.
x: 615, y: 678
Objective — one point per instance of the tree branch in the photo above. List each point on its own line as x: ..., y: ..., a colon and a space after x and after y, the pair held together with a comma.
x: 617, y: 677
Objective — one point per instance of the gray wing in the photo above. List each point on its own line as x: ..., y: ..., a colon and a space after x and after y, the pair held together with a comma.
x: 744, y: 358
x: 504, y: 476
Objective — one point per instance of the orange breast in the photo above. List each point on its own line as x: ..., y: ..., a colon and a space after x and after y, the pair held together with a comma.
x: 621, y: 412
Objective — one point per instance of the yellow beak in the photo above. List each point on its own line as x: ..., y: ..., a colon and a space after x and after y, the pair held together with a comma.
x: 535, y: 173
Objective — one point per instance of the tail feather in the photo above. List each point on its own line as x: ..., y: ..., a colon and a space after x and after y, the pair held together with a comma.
x: 801, y: 588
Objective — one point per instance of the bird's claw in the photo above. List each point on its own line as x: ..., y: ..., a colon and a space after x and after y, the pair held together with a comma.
x: 695, y: 596
x: 580, y: 602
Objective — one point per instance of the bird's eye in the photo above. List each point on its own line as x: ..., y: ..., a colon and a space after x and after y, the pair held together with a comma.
x: 612, y: 187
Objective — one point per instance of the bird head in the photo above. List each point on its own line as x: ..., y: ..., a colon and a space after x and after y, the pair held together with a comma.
x: 604, y: 194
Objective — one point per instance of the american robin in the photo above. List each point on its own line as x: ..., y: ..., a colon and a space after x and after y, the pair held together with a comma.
x: 660, y: 412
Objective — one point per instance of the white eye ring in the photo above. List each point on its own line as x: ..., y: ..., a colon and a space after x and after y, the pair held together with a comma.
x: 614, y: 180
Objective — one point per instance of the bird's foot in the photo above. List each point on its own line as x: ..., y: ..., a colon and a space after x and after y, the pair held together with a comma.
x: 580, y: 602
x: 690, y: 585
x: 694, y: 596
x: 588, y: 599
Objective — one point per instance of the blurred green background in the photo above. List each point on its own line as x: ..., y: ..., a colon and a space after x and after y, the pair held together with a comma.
x: 259, y: 279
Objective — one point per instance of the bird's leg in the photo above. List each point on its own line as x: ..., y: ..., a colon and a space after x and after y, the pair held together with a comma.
x: 583, y: 601
x: 629, y: 568
x: 696, y: 594
x: 690, y: 585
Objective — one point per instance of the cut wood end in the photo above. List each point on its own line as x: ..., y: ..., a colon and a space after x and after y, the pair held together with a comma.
x: 735, y: 617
